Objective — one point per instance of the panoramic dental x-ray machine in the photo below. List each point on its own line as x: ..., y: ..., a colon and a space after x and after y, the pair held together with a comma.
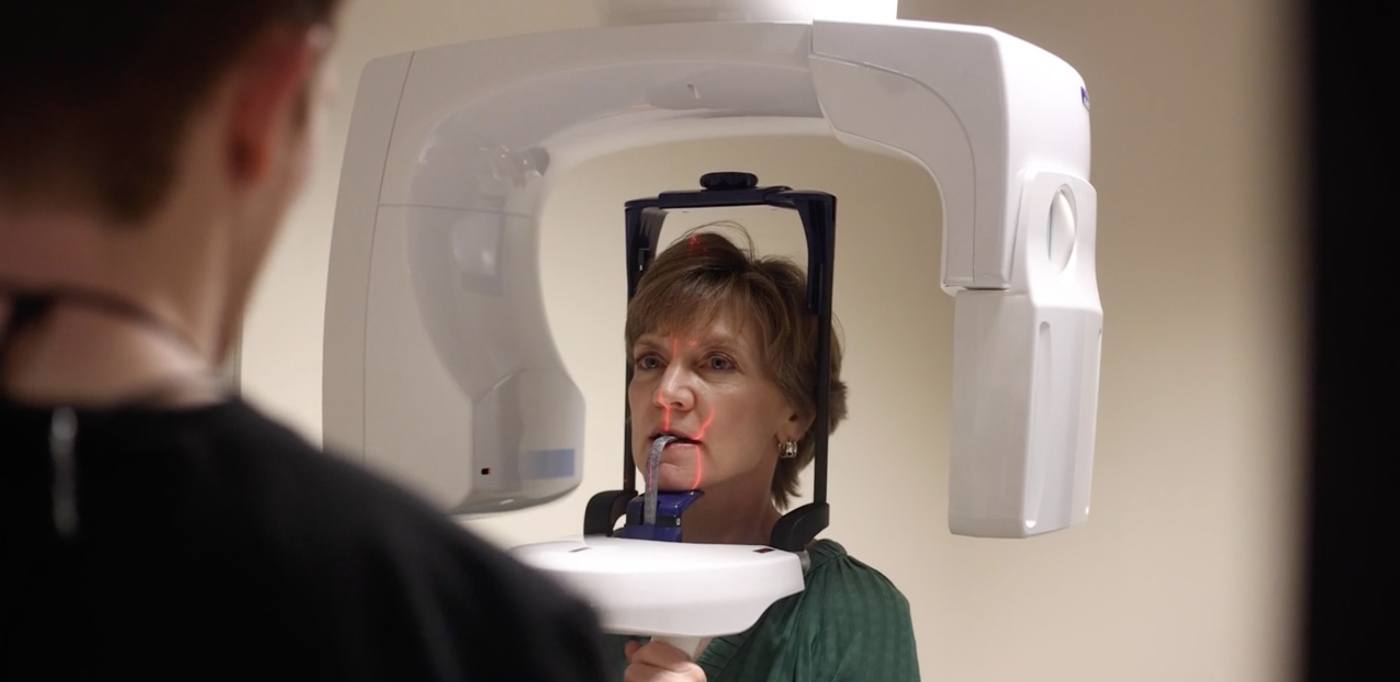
x: 439, y: 361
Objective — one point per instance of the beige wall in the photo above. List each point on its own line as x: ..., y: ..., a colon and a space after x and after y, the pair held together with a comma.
x: 1185, y: 570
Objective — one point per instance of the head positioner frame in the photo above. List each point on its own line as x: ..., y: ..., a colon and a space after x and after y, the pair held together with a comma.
x: 817, y: 210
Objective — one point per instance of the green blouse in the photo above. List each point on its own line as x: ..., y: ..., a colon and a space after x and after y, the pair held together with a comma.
x: 849, y: 624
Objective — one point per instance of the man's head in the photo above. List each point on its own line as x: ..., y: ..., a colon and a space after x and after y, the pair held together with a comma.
x: 138, y: 116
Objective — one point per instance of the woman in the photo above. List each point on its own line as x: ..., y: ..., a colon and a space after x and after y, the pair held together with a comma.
x: 724, y: 355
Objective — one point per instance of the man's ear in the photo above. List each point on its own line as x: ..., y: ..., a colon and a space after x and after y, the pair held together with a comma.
x: 271, y: 85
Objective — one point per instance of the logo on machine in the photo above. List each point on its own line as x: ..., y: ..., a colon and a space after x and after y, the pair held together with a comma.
x: 1084, y: 97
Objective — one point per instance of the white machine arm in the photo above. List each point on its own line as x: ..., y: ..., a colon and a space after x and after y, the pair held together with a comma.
x: 1003, y: 127
x: 439, y: 361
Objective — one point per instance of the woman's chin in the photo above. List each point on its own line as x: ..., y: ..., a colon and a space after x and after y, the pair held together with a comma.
x: 677, y: 478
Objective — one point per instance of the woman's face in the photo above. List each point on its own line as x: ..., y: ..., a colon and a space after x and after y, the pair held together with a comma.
x: 710, y: 388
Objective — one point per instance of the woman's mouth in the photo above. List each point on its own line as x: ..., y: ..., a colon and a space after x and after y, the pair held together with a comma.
x: 677, y: 438
x: 678, y: 453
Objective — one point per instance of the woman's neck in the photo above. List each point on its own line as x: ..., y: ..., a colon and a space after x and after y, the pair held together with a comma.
x: 730, y: 515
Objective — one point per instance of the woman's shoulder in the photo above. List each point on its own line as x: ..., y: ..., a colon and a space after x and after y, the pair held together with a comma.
x: 855, y: 620
x: 837, y: 580
x: 849, y: 622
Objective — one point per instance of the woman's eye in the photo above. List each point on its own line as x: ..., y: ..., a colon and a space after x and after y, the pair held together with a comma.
x: 718, y: 362
x: 648, y: 362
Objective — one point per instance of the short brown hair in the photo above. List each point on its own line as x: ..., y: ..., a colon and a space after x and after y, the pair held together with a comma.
x: 704, y: 275
x: 97, y: 95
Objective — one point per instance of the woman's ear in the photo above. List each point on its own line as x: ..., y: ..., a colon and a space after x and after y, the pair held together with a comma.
x: 796, y: 426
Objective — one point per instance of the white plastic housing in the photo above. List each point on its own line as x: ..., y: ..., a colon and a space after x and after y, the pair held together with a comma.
x: 669, y: 589
x: 629, y: 12
x: 439, y: 361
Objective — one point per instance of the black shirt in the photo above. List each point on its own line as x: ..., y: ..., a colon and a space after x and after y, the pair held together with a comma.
x: 212, y: 543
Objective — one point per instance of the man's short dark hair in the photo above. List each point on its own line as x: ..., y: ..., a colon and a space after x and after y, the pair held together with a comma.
x: 95, y: 97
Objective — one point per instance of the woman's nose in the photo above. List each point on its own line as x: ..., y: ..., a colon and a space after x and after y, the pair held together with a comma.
x: 675, y: 392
